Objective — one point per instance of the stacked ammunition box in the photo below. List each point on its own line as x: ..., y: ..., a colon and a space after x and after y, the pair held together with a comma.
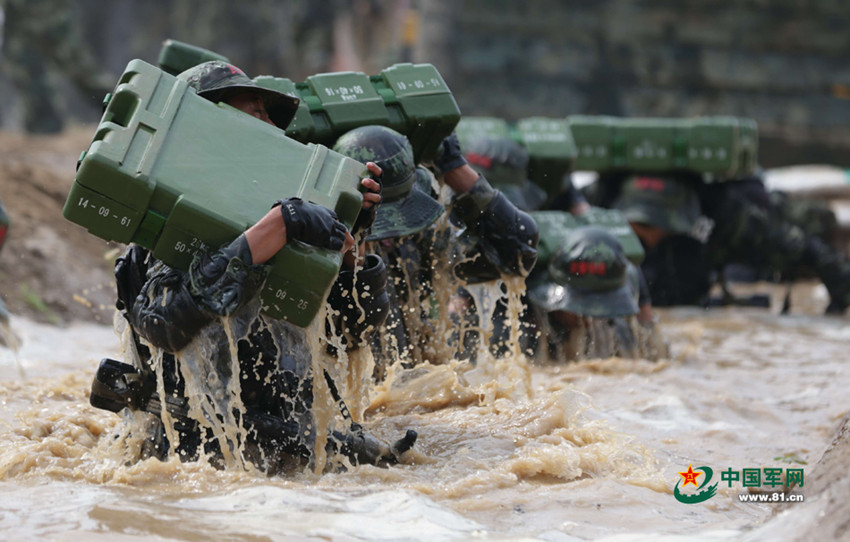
x: 412, y: 99
x: 722, y: 147
x: 177, y: 174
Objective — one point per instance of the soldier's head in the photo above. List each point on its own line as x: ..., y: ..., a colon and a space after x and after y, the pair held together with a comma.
x: 657, y: 206
x: 504, y: 163
x: 219, y: 81
x: 406, y: 207
x: 587, y: 276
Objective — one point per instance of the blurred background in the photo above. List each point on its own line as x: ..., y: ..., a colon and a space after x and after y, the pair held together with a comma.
x: 781, y: 62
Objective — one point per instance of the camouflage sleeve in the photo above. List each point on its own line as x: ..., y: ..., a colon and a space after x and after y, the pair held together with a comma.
x: 508, y: 236
x: 360, y: 305
x: 173, y: 305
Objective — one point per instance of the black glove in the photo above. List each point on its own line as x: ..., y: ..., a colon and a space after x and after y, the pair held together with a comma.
x: 312, y: 224
x: 512, y: 234
x: 367, y: 216
x: 507, y: 235
x: 449, y: 155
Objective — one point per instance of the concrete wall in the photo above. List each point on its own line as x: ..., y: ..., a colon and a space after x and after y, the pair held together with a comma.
x: 782, y: 62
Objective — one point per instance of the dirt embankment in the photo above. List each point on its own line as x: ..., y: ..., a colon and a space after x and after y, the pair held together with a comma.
x: 51, y: 270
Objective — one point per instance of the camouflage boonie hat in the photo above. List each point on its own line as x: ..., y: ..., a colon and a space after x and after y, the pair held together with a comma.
x: 662, y: 202
x: 588, y: 276
x: 504, y: 163
x: 217, y: 80
x: 405, y: 209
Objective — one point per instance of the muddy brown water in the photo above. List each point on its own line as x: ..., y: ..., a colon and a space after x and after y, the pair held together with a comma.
x: 506, y: 451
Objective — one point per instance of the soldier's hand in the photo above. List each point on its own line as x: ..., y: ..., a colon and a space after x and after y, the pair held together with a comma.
x: 371, y: 199
x: 449, y: 156
x: 312, y: 224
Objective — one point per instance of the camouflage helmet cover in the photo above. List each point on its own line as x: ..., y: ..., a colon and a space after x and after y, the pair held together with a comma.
x: 664, y: 202
x: 406, y: 209
x: 216, y: 81
x: 587, y: 275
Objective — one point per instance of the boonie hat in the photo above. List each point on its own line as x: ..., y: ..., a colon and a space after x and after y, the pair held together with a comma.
x: 217, y: 80
x: 588, y: 276
x: 663, y: 202
x: 405, y: 208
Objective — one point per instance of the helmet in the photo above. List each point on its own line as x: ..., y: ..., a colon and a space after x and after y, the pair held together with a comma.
x: 664, y: 202
x: 504, y: 163
x: 406, y: 209
x: 217, y: 80
x: 587, y: 275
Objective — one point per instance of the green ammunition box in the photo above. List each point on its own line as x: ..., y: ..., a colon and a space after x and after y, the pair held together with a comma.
x: 412, y: 99
x: 554, y: 226
x: 549, y: 142
x: 551, y: 151
x: 178, y: 174
x: 723, y: 147
x: 176, y: 57
x: 471, y: 128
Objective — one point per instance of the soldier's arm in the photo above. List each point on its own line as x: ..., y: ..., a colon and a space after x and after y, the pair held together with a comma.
x: 360, y: 302
x: 173, y: 305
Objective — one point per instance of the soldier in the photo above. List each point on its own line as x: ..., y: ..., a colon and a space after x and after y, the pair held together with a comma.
x: 505, y: 163
x: 41, y: 38
x: 581, y: 302
x: 427, y: 262
x: 690, y: 229
x: 181, y: 320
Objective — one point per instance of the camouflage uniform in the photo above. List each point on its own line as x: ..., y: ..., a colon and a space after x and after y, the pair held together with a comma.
x: 731, y: 228
x: 41, y: 38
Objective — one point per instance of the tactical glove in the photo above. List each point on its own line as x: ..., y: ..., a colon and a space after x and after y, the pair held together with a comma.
x: 508, y: 236
x: 449, y: 155
x: 312, y: 224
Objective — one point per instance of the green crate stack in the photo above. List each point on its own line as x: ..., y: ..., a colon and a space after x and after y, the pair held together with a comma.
x: 161, y: 171
x: 723, y: 147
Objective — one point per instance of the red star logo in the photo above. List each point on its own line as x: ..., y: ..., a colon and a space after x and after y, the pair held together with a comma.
x: 690, y: 476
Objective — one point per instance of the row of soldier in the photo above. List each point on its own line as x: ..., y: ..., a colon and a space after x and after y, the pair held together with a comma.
x: 435, y: 269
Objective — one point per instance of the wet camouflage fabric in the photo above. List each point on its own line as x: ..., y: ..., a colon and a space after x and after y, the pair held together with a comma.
x: 812, y: 216
x: 215, y: 80
x: 187, y: 319
x: 406, y: 208
x: 659, y: 201
x: 41, y: 41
